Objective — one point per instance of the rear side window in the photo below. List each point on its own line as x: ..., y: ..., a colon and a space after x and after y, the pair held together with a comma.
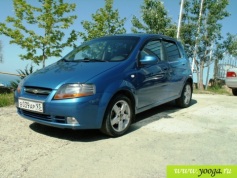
x: 172, y: 51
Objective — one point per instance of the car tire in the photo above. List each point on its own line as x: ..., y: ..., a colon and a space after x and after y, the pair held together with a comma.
x: 234, y: 91
x: 118, y: 116
x: 186, y: 96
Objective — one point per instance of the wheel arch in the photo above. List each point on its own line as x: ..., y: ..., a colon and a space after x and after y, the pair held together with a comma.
x: 108, y: 96
x: 106, y: 126
x: 190, y: 80
x: 126, y: 93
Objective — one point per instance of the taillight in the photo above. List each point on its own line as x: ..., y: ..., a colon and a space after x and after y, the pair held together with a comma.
x: 230, y: 74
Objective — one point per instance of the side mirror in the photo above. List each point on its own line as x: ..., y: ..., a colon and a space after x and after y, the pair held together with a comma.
x: 149, y: 60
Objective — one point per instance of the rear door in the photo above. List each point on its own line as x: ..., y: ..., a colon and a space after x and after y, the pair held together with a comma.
x: 152, y: 79
x: 178, y: 66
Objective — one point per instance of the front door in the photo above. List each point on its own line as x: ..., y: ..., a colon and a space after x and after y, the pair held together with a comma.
x: 153, y: 79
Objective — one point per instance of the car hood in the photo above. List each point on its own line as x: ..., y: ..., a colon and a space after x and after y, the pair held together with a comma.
x: 62, y: 72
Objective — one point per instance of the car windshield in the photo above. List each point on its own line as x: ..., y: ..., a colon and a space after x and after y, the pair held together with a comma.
x: 116, y: 48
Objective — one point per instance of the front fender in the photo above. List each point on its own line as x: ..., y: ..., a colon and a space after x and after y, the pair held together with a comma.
x: 111, y: 90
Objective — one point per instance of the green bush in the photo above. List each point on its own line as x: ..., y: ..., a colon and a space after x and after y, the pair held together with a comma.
x: 5, y: 90
x: 219, y: 90
x: 6, y: 99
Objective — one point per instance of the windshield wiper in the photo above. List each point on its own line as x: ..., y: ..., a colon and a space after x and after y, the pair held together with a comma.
x: 92, y: 60
x: 82, y: 60
x: 63, y: 60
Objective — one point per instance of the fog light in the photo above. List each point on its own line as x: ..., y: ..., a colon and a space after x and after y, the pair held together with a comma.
x: 72, y: 120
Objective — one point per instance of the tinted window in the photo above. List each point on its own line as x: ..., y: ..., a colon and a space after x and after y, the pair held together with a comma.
x: 153, y: 48
x: 172, y: 51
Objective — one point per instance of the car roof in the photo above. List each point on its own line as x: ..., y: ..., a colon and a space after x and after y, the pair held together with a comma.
x: 144, y: 36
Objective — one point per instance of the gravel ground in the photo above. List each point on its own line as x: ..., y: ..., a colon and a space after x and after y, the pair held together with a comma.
x: 203, y: 134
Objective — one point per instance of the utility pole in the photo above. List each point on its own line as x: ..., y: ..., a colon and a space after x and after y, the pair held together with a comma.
x: 180, y: 18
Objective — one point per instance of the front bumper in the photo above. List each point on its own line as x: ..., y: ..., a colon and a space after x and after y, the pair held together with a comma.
x: 85, y: 110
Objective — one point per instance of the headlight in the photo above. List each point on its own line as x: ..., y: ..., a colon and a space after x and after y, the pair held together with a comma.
x: 74, y: 91
x: 19, y: 87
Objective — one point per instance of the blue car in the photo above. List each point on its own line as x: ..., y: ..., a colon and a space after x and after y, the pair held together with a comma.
x: 105, y: 82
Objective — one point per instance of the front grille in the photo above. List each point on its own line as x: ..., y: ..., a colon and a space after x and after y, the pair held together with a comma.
x: 37, y: 91
x: 43, y: 117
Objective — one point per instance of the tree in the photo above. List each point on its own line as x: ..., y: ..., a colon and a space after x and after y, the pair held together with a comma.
x: 105, y: 21
x: 1, y: 55
x: 209, y: 38
x: 47, y: 16
x: 154, y: 19
x: 231, y: 44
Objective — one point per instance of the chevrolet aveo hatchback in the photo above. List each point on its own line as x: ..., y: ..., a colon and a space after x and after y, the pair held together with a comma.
x: 105, y: 82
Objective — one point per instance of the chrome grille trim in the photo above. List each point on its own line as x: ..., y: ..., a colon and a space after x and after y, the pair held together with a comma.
x: 37, y: 91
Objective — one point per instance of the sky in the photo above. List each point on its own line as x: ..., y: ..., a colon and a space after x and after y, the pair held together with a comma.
x: 126, y: 8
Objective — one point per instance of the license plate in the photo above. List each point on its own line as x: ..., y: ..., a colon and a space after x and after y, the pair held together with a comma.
x: 30, y: 105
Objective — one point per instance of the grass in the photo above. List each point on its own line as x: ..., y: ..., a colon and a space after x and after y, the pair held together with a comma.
x: 6, y: 99
x: 214, y: 90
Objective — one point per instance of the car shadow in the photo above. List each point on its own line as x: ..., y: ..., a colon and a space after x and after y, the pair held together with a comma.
x: 142, y: 119
x: 160, y: 112
x: 68, y: 134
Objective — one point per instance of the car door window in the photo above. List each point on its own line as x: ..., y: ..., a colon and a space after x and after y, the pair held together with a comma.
x: 153, y: 48
x: 172, y: 51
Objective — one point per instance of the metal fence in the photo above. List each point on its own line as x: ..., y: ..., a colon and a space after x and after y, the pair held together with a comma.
x: 224, y: 65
